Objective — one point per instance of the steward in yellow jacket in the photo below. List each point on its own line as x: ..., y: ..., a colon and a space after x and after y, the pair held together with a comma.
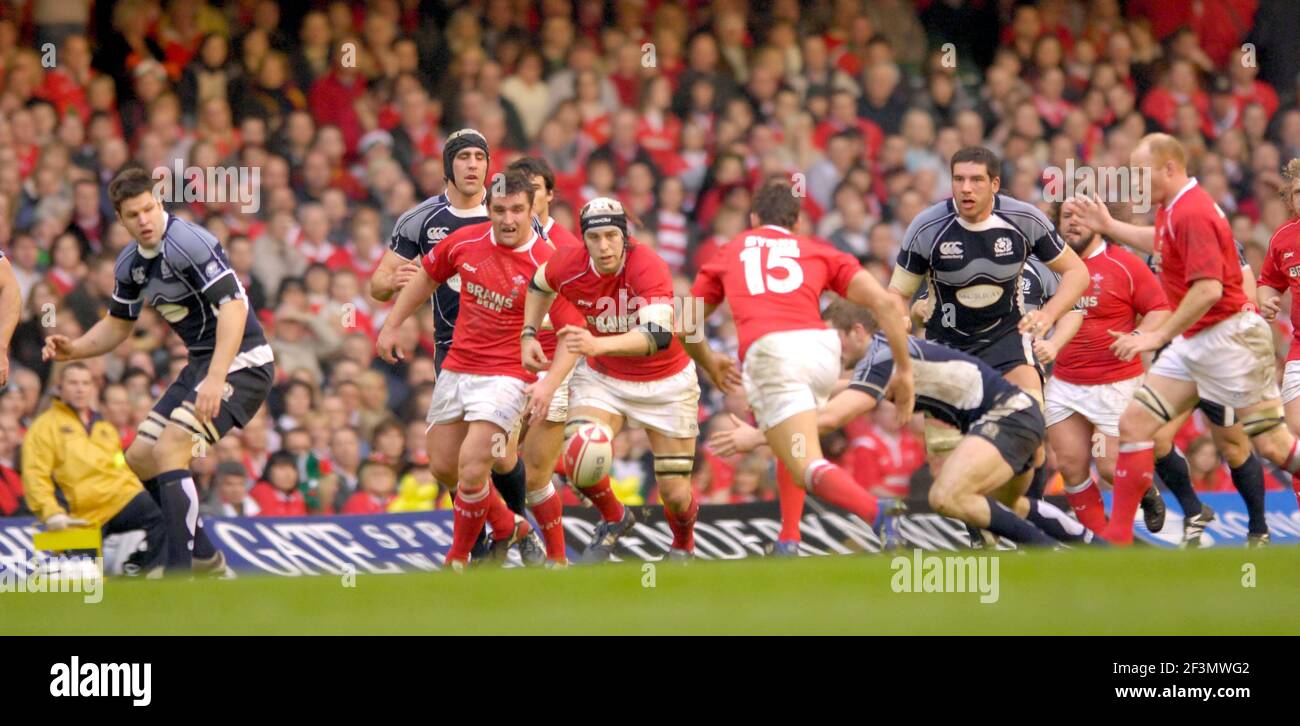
x: 69, y: 447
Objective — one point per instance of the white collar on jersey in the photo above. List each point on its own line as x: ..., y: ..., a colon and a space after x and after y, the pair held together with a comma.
x: 993, y: 221
x: 777, y: 227
x: 492, y: 235
x: 550, y: 222
x: 1100, y: 249
x: 478, y: 210
x: 1190, y: 183
x: 147, y: 253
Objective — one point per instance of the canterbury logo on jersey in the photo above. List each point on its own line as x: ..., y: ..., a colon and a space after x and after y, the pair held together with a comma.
x: 950, y: 249
x: 437, y: 233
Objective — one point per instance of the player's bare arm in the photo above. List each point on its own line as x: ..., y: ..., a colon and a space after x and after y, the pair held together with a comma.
x: 541, y: 392
x: 10, y: 304
x: 392, y: 275
x: 1046, y: 349
x: 865, y: 291
x: 1074, y: 281
x: 230, y: 330
x: 412, y: 296
x: 1201, y: 296
x: 536, y: 304
x: 1096, y: 216
x: 719, y: 367
x: 104, y: 336
x: 844, y: 407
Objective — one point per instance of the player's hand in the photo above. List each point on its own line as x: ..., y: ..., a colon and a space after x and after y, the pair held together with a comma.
x: 579, y: 340
x: 723, y: 374
x: 208, y: 401
x: 1270, y: 308
x: 532, y: 355
x: 57, y: 347
x: 388, y: 347
x: 1045, y: 351
x: 539, y: 402
x: 405, y: 273
x: 1035, y: 323
x: 921, y: 311
x: 61, y: 521
x: 740, y: 440
x: 1092, y: 212
x: 901, y: 390
x: 1128, y: 346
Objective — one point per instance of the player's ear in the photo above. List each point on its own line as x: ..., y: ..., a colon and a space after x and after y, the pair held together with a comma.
x: 996, y: 183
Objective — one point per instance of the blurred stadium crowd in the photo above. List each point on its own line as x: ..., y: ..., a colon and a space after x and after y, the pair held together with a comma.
x: 676, y: 108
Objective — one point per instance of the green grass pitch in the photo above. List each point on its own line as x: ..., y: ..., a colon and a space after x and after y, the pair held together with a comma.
x: 1135, y: 591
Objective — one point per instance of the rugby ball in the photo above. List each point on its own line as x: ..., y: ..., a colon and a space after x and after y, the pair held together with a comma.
x: 589, y: 454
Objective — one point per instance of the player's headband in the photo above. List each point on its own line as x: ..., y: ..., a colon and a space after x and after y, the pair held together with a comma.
x: 603, y: 212
x: 458, y: 142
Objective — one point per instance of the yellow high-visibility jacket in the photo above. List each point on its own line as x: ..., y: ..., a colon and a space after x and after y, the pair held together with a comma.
x: 86, y: 463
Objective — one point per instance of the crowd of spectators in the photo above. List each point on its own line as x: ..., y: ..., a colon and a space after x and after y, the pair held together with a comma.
x: 677, y: 108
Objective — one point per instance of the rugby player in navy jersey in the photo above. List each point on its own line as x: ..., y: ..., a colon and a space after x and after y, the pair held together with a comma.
x: 1001, y: 429
x: 179, y: 269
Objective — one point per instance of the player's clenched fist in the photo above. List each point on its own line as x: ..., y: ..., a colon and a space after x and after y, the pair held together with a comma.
x: 532, y: 355
x: 57, y: 347
x: 388, y: 347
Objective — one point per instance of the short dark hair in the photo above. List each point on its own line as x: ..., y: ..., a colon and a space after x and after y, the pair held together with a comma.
x: 130, y: 182
x: 843, y: 315
x: 776, y: 204
x: 75, y: 365
x: 978, y: 155
x: 511, y: 181
x: 535, y: 166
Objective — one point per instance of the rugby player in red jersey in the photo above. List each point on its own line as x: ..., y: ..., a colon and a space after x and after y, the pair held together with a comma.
x: 1219, y: 348
x: 637, y: 368
x: 479, y: 395
x: 1281, y: 272
x: 773, y: 281
x: 1090, y: 387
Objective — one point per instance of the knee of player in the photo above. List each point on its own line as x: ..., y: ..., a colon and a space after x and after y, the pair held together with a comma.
x: 140, y: 458
x: 943, y: 500
x: 1137, y: 424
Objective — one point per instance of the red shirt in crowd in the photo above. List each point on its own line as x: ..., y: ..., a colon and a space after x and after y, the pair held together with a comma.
x: 275, y: 503
x: 883, y: 463
x: 366, y: 503
x: 611, y: 305
x: 1122, y: 289
x: 493, y: 285
x: 773, y: 280
x: 1194, y: 242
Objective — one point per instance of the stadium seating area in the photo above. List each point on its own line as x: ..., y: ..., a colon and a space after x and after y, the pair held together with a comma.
x: 334, y: 113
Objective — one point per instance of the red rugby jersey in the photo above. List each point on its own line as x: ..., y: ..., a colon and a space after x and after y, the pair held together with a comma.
x: 773, y: 280
x: 1122, y: 288
x: 493, y: 286
x: 1281, y: 272
x: 1194, y: 242
x: 610, y: 305
x: 562, y: 312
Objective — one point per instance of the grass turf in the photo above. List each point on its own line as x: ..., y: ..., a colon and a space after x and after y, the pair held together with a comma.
x: 1134, y: 591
